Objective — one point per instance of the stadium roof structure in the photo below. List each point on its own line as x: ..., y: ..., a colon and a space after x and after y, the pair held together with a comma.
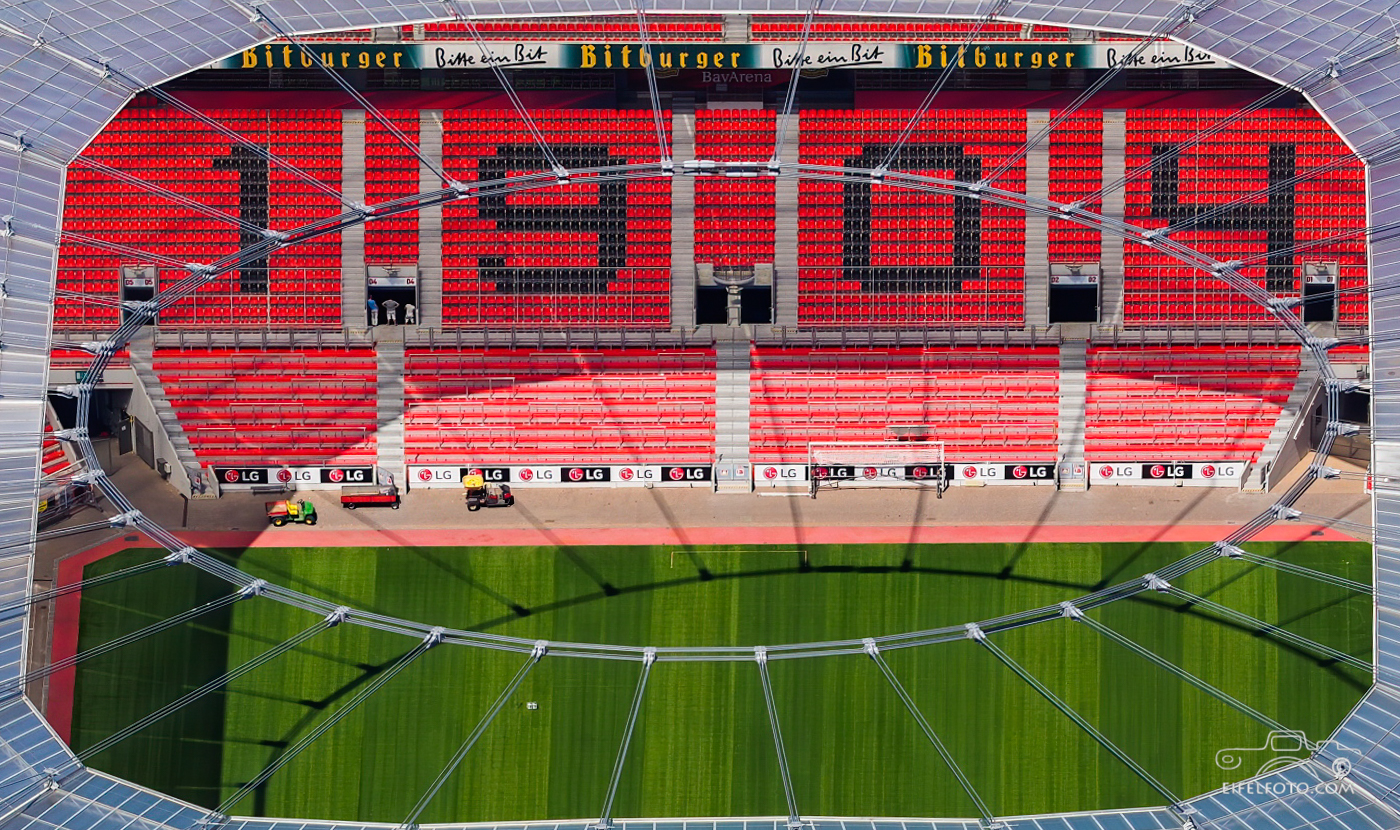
x: 66, y: 69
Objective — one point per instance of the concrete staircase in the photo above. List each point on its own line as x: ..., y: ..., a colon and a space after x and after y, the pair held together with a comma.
x: 148, y: 398
x: 1301, y: 398
x: 1111, y: 260
x: 682, y: 225
x: 732, y: 370
x: 430, y: 224
x: 389, y: 407
x: 785, y: 234
x: 1037, y: 308
x: 736, y: 28
x: 1074, y: 365
x: 353, y: 291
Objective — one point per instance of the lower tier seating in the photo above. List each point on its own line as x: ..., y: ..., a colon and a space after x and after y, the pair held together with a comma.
x: 54, y: 458
x: 619, y: 406
x: 274, y: 407
x: 1185, y: 404
x: 985, y: 404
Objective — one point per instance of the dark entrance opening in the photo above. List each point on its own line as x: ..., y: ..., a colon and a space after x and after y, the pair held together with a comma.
x: 1319, y: 302
x: 1074, y: 303
x: 139, y: 284
x: 710, y: 306
x: 756, y: 305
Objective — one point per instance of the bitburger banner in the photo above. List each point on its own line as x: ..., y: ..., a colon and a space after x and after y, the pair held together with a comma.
x: 711, y: 57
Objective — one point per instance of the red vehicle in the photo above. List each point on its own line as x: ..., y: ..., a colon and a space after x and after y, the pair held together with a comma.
x: 385, y: 496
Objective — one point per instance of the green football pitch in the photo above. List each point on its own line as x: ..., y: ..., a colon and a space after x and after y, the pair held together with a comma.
x: 703, y: 745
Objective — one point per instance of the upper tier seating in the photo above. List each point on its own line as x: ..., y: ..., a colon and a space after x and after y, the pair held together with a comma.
x: 1076, y: 169
x: 734, y: 217
x: 1185, y: 404
x: 297, y: 287
x: 391, y: 172
x: 661, y: 27
x: 616, y: 406
x: 840, y: 27
x: 577, y: 254
x: 304, y: 407
x: 878, y: 254
x: 1268, y: 147
x: 985, y: 404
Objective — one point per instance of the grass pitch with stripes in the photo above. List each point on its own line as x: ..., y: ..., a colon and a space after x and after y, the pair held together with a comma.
x: 703, y: 745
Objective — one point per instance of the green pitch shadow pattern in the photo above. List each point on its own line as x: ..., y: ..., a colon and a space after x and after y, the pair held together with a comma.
x: 702, y: 745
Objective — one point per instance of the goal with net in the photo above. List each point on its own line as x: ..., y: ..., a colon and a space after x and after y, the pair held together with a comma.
x: 877, y: 463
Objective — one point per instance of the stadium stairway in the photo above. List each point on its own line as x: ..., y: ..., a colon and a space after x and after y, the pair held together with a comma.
x: 1074, y: 382
x: 148, y: 385
x: 733, y: 364
x: 352, y: 240
x: 430, y: 224
x: 1298, y: 399
x: 785, y: 245
x: 1037, y: 287
x: 389, y: 402
x: 682, y: 225
x: 1111, y: 245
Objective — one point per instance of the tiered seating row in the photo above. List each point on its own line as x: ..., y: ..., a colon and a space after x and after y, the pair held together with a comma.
x: 1199, y: 404
x: 985, y: 404
x: 604, y: 28
x: 872, y: 253
x: 172, y: 150
x: 1268, y: 146
x: 734, y: 217
x: 582, y: 253
x: 1076, y: 169
x: 836, y: 27
x: 391, y: 172
x: 53, y: 459
x: 627, y: 406
x: 274, y: 407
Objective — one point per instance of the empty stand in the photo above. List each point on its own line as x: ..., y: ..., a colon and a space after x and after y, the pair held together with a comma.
x: 582, y: 253
x: 836, y: 27
x: 518, y: 407
x: 305, y: 407
x: 53, y: 458
x: 391, y: 172
x: 621, y: 28
x: 1076, y: 169
x: 734, y: 217
x: 1185, y: 404
x: 296, y: 287
x: 985, y: 404
x: 1267, y: 148
x: 877, y: 254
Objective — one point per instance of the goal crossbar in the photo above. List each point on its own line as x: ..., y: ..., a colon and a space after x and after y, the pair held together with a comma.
x: 877, y: 463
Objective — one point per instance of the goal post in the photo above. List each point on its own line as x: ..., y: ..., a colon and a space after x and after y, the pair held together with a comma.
x: 877, y: 464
